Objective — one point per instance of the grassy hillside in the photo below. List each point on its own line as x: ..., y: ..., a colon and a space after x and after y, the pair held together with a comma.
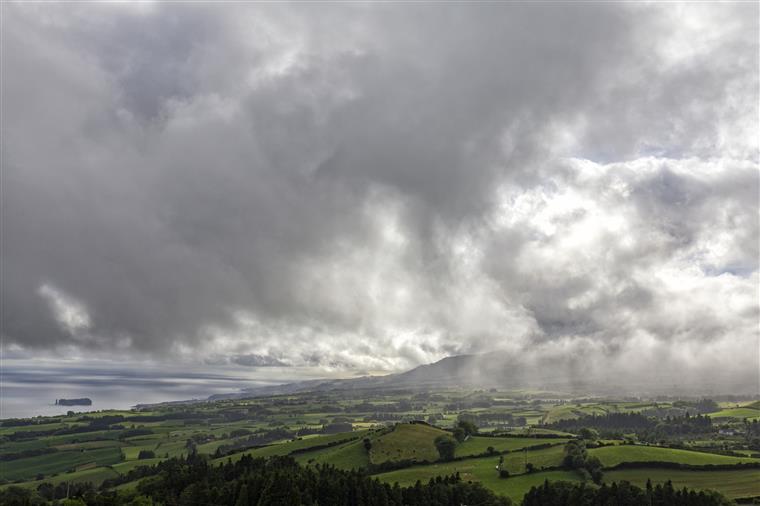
x: 95, y: 475
x: 733, y: 483
x: 741, y: 413
x: 478, y: 445
x: 406, y: 442
x: 614, y: 455
x: 299, y: 444
x: 350, y: 455
x: 59, y: 462
x: 477, y: 469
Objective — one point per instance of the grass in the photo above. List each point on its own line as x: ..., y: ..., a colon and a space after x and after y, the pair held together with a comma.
x: 478, y: 445
x: 20, y: 446
x: 516, y: 487
x: 95, y: 476
x: 477, y: 469
x: 733, y: 483
x: 59, y: 462
x: 89, y: 445
x: 350, y: 455
x: 125, y: 467
x: 614, y: 455
x: 406, y: 442
x: 535, y: 431
x: 483, y: 470
x: 290, y: 446
x: 29, y: 428
x: 741, y: 413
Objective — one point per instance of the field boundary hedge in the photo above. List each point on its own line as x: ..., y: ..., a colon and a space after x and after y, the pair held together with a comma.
x: 684, y: 467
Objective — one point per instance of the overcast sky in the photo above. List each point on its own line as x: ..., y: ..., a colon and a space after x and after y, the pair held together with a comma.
x: 359, y: 187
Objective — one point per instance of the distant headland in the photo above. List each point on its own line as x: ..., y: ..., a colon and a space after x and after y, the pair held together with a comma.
x: 84, y: 401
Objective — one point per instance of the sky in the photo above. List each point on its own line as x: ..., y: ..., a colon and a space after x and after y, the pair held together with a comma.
x: 351, y: 188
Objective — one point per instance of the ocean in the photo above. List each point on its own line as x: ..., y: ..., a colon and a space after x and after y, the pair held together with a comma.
x: 29, y: 389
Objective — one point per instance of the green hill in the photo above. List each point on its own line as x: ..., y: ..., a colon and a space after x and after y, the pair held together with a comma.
x: 407, y: 441
x: 350, y: 455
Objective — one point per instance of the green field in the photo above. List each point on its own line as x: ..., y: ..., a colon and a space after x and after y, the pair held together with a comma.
x: 483, y: 470
x: 88, y: 445
x: 477, y: 469
x: 96, y: 475
x: 515, y: 487
x: 733, y: 483
x: 125, y: 467
x: 614, y: 455
x: 406, y: 442
x: 58, y: 462
x: 299, y: 444
x: 478, y: 445
x: 740, y: 413
x: 350, y: 455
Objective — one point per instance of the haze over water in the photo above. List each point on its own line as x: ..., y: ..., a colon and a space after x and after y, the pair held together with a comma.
x: 28, y: 391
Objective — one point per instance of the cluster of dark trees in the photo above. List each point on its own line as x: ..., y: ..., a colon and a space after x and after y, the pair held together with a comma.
x: 753, y: 435
x: 446, y: 445
x: 646, y: 428
x: 611, y: 422
x: 700, y: 406
x: 23, y: 422
x: 577, y: 457
x: 619, y: 494
x: 337, y: 427
x: 279, y: 481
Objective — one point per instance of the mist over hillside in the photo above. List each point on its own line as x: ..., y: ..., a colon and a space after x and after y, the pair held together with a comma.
x: 568, y: 376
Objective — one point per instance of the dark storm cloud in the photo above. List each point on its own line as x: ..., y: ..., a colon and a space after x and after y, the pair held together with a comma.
x: 377, y: 185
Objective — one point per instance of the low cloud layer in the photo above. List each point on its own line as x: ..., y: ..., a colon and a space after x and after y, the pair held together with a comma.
x: 370, y: 187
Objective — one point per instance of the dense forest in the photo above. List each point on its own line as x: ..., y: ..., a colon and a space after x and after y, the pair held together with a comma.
x: 619, y: 494
x: 645, y: 427
x: 279, y: 481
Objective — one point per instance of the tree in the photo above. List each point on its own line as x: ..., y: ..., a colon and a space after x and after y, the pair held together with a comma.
x: 588, y: 434
x: 146, y: 454
x: 469, y: 428
x: 242, y: 499
x: 459, y: 434
x: 446, y: 446
x: 367, y: 444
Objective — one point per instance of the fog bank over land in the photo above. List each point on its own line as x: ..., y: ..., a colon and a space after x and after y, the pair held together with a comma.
x: 357, y: 188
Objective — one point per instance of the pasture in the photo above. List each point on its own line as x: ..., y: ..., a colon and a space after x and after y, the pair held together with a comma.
x: 614, y: 455
x: 733, y: 483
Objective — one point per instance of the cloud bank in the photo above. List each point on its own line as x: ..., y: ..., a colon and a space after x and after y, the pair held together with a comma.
x: 355, y: 186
